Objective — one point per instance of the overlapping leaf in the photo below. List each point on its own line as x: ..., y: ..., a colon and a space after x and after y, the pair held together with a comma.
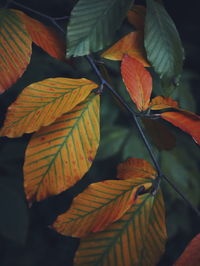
x: 135, y: 168
x: 93, y: 24
x: 41, y: 103
x: 162, y: 43
x: 191, y: 255
x: 132, y: 44
x: 138, y: 238
x: 45, y: 37
x: 60, y: 154
x: 136, y: 16
x: 98, y: 206
x: 15, y: 48
x: 185, y: 120
x: 138, y: 82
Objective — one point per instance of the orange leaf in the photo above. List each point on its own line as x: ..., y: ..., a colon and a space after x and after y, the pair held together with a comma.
x: 45, y: 37
x: 132, y: 44
x: 135, y: 168
x: 138, y: 82
x: 185, y: 120
x: 136, y: 16
x: 191, y: 255
x: 15, y: 48
x: 161, y: 102
x: 98, y: 206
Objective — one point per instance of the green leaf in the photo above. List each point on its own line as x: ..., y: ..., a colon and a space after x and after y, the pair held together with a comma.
x: 112, y: 139
x: 93, y: 24
x: 163, y: 44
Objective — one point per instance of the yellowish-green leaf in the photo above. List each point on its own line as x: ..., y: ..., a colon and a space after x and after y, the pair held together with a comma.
x: 98, y: 206
x: 138, y: 238
x: 41, y: 103
x: 15, y: 48
x: 60, y: 154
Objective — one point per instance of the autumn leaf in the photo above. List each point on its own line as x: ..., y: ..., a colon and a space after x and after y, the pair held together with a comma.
x: 162, y: 102
x: 138, y: 238
x: 191, y: 255
x: 136, y: 16
x: 160, y: 134
x: 41, y: 103
x: 185, y: 120
x: 132, y: 44
x: 60, y: 154
x: 45, y: 37
x: 15, y: 48
x: 98, y: 206
x: 138, y: 82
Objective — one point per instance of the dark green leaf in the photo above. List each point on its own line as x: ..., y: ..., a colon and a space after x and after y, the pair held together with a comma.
x: 112, y: 139
x: 93, y: 24
x: 163, y: 44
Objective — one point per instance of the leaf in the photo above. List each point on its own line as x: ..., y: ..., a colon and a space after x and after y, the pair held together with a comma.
x: 162, y: 43
x: 41, y: 103
x: 136, y: 16
x: 112, y: 139
x: 161, y: 102
x: 191, y: 254
x: 160, y: 134
x: 45, y: 37
x: 132, y: 44
x: 138, y: 238
x: 135, y: 168
x: 138, y: 82
x: 93, y: 24
x: 98, y: 206
x: 15, y: 48
x: 185, y: 120
x: 60, y: 154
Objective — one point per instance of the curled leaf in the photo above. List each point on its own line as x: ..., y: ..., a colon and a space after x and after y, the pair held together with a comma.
x: 131, y: 44
x: 162, y: 102
x: 138, y: 82
x: 98, y: 206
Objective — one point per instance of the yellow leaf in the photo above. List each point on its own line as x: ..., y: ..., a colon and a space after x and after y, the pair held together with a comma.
x: 41, y: 103
x: 15, y: 48
x: 45, y: 37
x: 98, y: 206
x: 132, y: 45
x: 134, y: 168
x: 138, y: 238
x: 60, y: 154
x: 161, y: 102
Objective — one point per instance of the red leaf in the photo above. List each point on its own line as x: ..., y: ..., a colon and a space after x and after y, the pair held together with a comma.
x: 185, y: 120
x: 45, y: 37
x: 191, y: 255
x: 138, y: 82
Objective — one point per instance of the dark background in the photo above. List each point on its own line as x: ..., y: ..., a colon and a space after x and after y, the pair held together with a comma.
x: 42, y: 246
